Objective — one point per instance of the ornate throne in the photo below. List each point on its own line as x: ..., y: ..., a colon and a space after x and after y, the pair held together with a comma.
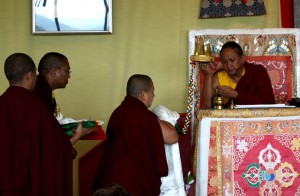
x: 276, y: 49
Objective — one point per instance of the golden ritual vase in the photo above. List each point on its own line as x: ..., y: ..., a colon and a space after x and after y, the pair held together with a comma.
x: 218, y: 103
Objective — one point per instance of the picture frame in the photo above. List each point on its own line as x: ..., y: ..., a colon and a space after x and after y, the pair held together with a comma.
x: 71, y: 16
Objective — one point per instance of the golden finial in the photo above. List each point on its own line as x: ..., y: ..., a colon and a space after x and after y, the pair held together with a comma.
x: 202, y: 53
x: 207, y: 50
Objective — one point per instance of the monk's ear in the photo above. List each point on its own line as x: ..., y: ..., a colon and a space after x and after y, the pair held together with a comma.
x: 142, y: 96
x: 29, y: 80
x: 52, y: 72
x: 28, y: 76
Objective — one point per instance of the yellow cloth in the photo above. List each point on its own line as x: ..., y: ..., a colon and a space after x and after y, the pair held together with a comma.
x: 225, y: 80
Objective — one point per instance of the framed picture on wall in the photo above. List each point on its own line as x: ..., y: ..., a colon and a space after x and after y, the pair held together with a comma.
x: 71, y: 16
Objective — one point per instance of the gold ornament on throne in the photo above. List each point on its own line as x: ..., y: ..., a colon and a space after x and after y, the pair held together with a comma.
x: 202, y: 53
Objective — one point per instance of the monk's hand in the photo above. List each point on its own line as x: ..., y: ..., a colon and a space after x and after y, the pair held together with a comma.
x: 227, y: 91
x: 207, y: 68
x: 79, y: 133
x: 90, y: 130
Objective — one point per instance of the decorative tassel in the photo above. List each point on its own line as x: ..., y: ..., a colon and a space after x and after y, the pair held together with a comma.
x: 189, y: 107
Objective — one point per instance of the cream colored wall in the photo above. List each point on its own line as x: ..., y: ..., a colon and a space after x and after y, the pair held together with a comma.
x: 149, y: 37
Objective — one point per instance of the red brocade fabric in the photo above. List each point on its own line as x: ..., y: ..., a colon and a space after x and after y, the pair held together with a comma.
x: 254, y: 157
x: 280, y: 72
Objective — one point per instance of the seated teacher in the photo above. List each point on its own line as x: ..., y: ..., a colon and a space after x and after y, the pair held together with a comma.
x: 244, y: 83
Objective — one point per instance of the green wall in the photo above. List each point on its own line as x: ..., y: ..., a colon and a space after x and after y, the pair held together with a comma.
x: 149, y: 37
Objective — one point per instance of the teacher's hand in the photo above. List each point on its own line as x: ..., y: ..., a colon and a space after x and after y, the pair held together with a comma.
x: 227, y: 91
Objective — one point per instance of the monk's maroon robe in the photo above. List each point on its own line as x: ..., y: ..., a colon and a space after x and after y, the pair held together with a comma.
x: 134, y: 155
x: 254, y: 87
x: 36, y: 154
x: 44, y: 91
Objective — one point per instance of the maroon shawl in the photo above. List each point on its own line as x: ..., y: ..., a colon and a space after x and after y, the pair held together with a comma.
x: 134, y: 154
x: 36, y: 154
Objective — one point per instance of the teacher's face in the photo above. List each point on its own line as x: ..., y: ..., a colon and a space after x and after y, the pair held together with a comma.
x: 232, y: 63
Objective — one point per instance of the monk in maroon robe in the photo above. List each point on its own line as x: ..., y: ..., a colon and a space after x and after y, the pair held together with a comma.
x: 134, y: 155
x: 44, y: 91
x: 239, y: 82
x: 255, y: 86
x: 36, y: 154
x: 54, y: 73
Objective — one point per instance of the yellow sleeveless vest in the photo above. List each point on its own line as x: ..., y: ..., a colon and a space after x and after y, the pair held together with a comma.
x: 225, y: 80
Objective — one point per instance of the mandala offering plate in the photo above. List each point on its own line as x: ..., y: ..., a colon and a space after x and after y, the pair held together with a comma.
x: 70, y: 125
